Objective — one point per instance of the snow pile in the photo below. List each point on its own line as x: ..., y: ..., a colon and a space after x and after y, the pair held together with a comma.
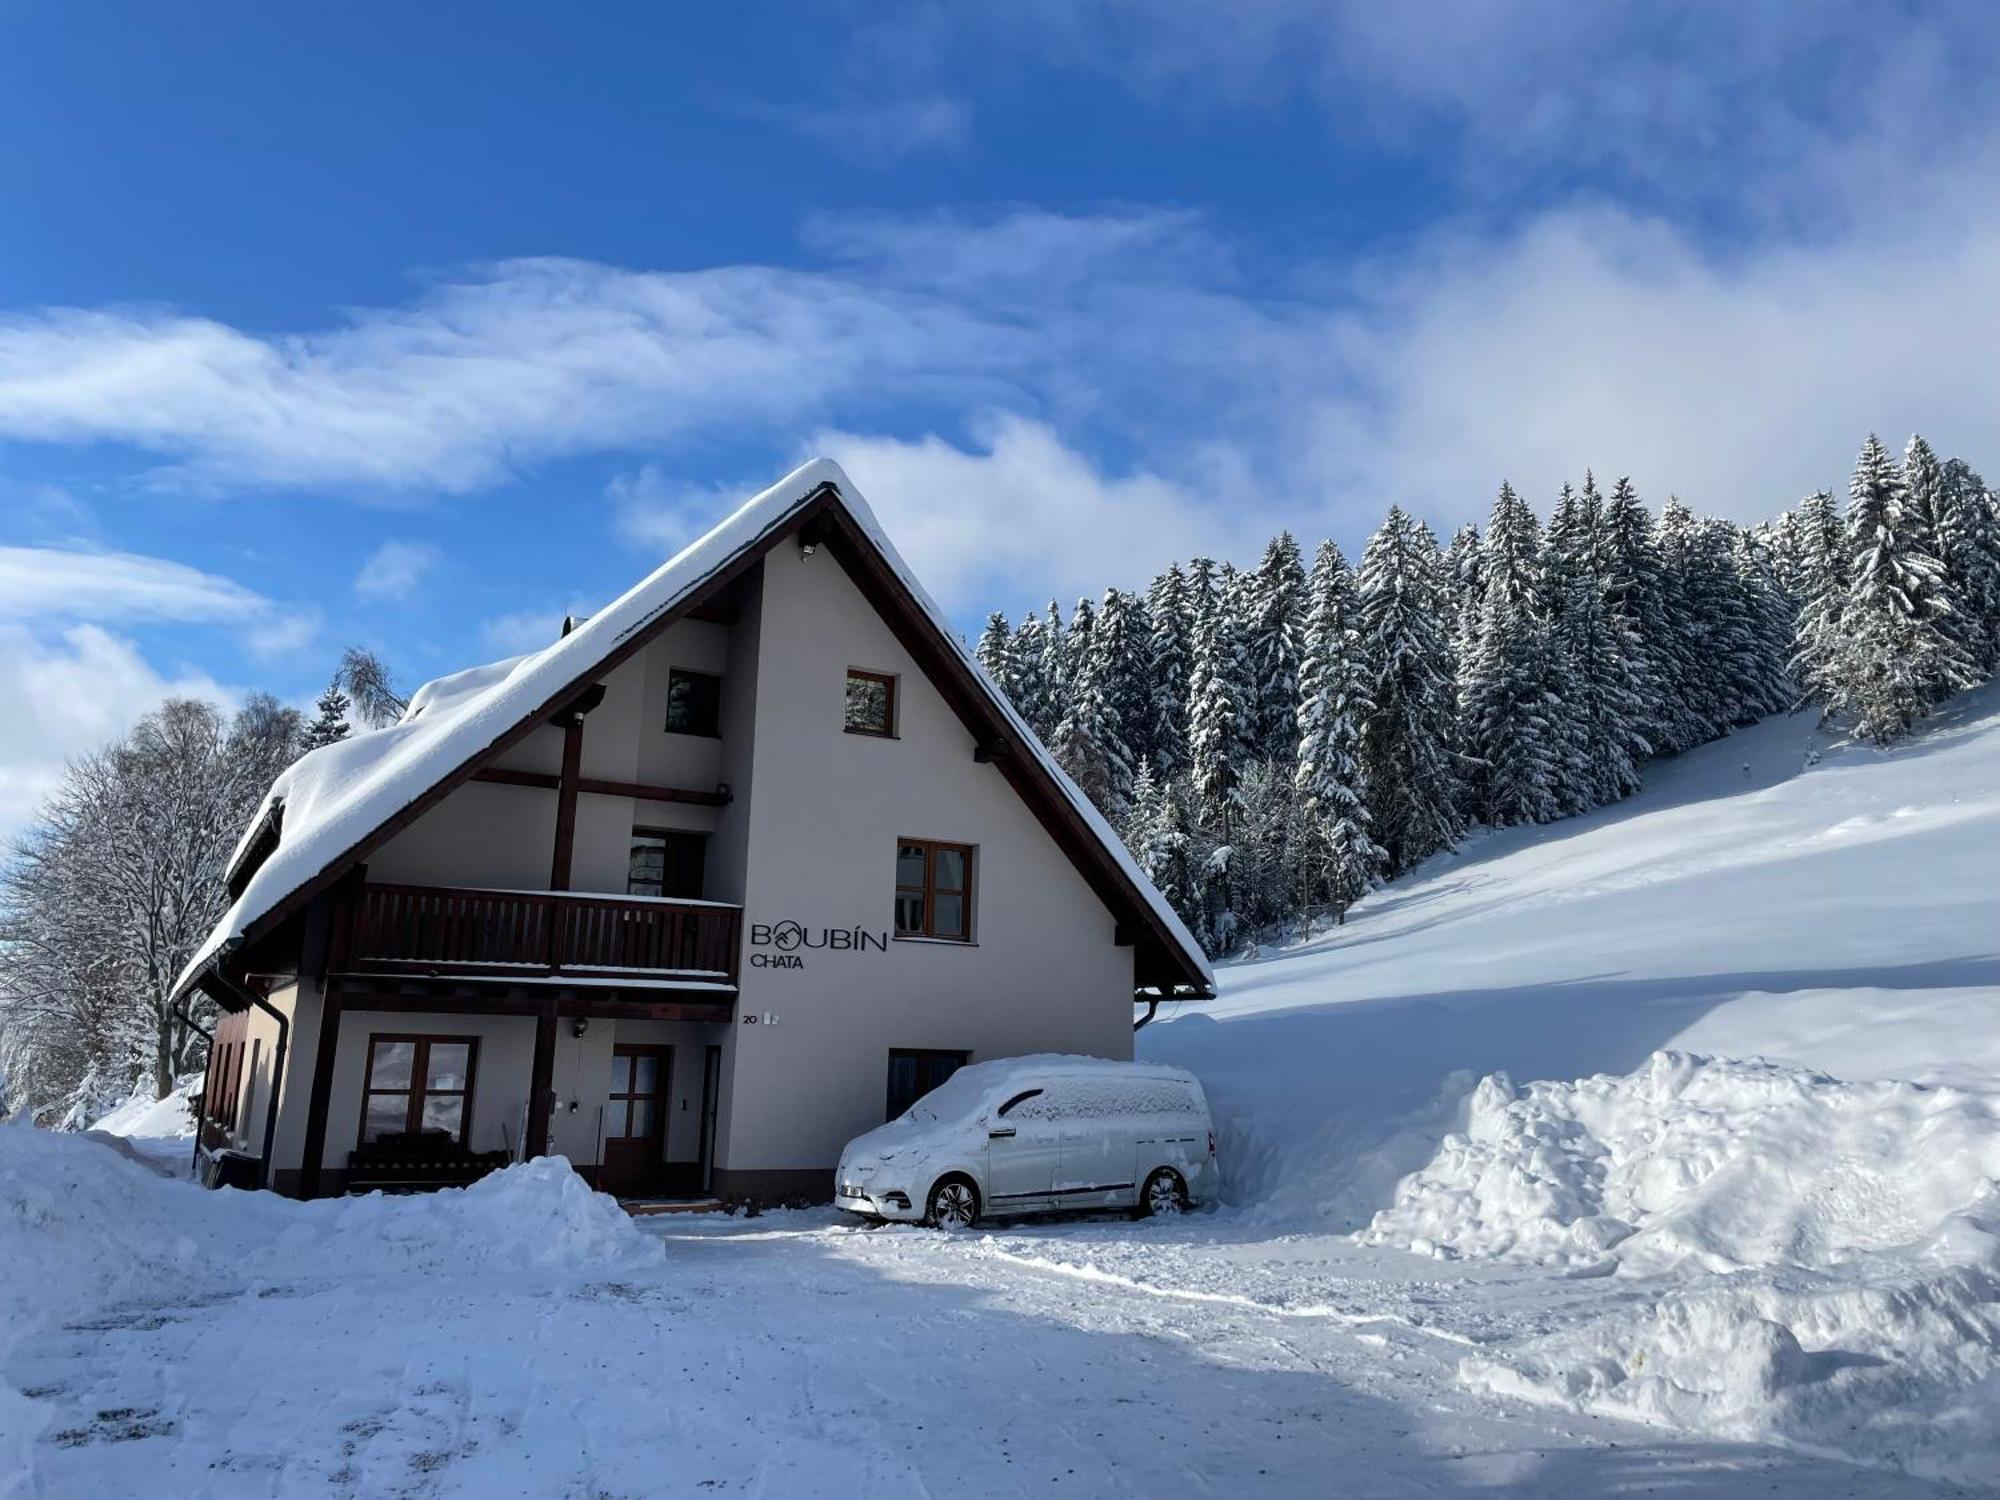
x: 537, y: 1215
x: 145, y: 1118
x: 1856, y: 1227
x: 1720, y: 1163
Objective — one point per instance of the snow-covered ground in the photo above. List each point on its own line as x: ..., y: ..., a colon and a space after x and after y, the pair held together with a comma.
x: 1727, y: 1226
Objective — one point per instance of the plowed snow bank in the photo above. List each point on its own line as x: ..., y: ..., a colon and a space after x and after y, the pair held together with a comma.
x: 1857, y: 1224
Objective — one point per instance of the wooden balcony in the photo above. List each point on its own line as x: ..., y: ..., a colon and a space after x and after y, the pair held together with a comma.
x: 536, y: 936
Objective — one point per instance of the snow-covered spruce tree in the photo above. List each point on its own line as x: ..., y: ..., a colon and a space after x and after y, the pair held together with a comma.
x: 1897, y: 657
x: 1928, y: 516
x: 1030, y: 686
x: 1693, y: 709
x: 1087, y: 743
x: 1514, y: 727
x: 1215, y: 711
x: 1820, y: 585
x: 1465, y: 574
x: 1628, y: 572
x: 1970, y: 543
x: 1123, y: 644
x: 1338, y: 860
x: 1264, y: 877
x: 1407, y: 759
x: 1274, y: 618
x: 1156, y: 832
x: 1173, y: 657
x: 995, y: 653
x: 1055, y: 671
x: 331, y: 726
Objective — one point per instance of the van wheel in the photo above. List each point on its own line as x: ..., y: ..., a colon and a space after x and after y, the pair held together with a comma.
x: 954, y: 1204
x: 1164, y: 1193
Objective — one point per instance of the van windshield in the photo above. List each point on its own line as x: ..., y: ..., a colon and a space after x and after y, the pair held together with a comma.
x: 957, y: 1098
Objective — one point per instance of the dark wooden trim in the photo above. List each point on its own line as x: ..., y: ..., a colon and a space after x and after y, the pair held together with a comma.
x: 419, y: 1090
x: 592, y: 786
x: 572, y: 762
x: 263, y: 841
x: 541, y: 1081
x: 401, y: 997
x: 929, y: 889
x: 321, y: 1095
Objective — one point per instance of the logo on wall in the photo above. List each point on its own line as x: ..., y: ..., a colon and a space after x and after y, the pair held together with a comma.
x: 776, y: 945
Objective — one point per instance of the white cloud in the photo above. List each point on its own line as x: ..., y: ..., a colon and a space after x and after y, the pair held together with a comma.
x: 284, y: 632
x: 69, y: 694
x: 65, y: 583
x: 394, y: 569
x: 1022, y: 510
x: 525, y: 630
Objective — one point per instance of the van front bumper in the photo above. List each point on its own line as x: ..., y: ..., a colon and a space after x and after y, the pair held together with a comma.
x: 890, y: 1204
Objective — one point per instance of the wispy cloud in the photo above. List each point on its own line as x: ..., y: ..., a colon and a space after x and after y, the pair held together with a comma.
x: 44, y: 583
x: 876, y: 130
x: 394, y: 569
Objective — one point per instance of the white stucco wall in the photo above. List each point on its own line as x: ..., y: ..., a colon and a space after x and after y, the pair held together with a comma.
x: 1043, y: 974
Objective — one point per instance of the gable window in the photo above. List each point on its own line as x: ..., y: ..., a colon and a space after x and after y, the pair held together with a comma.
x: 418, y: 1084
x: 871, y: 703
x: 694, y: 702
x: 914, y: 1072
x: 933, y: 889
x: 666, y: 862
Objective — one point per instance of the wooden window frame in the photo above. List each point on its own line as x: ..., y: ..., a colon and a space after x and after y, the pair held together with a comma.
x: 963, y: 1054
x: 701, y: 734
x: 929, y: 889
x: 888, y: 681
x: 419, y: 1070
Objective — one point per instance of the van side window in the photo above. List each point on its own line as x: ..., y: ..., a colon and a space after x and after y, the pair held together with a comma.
x: 1017, y: 1099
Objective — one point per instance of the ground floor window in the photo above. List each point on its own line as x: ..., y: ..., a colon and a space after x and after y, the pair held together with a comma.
x: 914, y: 1072
x: 418, y: 1084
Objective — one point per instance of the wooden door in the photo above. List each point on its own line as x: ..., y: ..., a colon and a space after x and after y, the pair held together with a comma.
x: 635, y: 1119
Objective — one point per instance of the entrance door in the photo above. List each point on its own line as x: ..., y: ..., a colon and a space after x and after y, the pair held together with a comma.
x: 711, y: 1102
x: 635, y: 1119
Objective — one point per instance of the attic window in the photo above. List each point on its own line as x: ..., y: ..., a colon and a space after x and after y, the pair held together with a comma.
x: 871, y: 703
x: 694, y: 703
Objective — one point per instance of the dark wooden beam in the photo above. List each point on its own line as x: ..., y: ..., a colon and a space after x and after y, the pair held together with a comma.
x: 319, y: 1098
x: 566, y: 790
x: 541, y: 1081
x: 404, y: 995
x: 591, y: 786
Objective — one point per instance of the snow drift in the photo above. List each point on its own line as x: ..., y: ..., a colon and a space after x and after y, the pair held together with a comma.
x: 1855, y: 1228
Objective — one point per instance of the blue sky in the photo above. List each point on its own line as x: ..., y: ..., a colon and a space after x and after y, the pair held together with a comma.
x: 417, y: 326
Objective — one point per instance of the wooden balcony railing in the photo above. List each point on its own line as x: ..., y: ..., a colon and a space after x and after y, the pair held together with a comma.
x: 539, y: 934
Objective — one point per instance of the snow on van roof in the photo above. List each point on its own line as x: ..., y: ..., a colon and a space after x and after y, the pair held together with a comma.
x: 332, y: 800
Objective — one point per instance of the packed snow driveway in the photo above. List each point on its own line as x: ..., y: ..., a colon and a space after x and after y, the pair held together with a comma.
x: 524, y: 1338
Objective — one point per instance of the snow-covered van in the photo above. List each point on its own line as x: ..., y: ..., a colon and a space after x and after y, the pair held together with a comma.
x: 1035, y: 1135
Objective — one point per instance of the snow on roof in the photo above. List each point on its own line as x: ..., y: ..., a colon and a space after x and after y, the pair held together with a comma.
x: 336, y: 797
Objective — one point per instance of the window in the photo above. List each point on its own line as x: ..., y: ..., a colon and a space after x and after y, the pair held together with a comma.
x: 914, y: 1072
x: 1021, y: 1098
x: 933, y: 889
x: 666, y: 862
x: 871, y: 703
x: 694, y: 702
x: 418, y: 1083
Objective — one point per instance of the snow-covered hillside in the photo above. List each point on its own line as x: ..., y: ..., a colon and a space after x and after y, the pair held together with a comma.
x: 1786, y: 960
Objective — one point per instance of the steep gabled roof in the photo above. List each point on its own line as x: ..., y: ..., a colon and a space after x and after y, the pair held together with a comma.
x: 336, y: 805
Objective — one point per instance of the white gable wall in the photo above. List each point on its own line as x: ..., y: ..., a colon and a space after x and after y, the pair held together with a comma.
x: 1043, y: 973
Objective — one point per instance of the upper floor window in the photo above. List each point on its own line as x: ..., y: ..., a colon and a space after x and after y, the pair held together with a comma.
x: 933, y: 889
x: 871, y: 703
x: 694, y: 702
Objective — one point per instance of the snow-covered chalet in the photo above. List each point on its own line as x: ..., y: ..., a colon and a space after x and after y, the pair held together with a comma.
x: 735, y: 869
